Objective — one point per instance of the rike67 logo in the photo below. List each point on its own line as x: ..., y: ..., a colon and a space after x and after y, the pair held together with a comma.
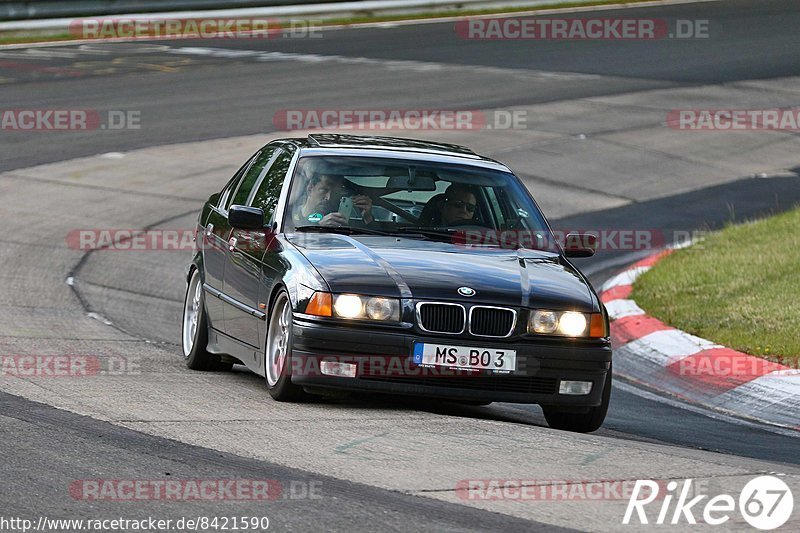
x: 765, y: 503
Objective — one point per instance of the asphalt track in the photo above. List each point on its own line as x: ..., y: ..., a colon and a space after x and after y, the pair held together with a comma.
x: 626, y: 175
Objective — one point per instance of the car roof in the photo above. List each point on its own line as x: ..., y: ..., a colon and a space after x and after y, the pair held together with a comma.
x: 331, y: 144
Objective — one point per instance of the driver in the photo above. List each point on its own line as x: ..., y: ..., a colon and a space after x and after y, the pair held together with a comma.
x: 459, y: 204
x: 321, y: 203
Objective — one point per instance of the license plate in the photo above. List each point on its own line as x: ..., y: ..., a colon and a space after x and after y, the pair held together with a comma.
x: 465, y: 357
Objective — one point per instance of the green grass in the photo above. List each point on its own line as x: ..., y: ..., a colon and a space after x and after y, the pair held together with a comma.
x: 34, y: 37
x: 17, y: 37
x: 740, y: 287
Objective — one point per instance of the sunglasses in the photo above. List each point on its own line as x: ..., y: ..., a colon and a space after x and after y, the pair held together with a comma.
x: 460, y: 204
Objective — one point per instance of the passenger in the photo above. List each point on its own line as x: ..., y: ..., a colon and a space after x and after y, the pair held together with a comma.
x: 321, y: 203
x: 459, y: 204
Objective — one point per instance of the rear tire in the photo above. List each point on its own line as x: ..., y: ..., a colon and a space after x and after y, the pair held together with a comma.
x: 278, y: 352
x: 581, y: 422
x: 194, y: 332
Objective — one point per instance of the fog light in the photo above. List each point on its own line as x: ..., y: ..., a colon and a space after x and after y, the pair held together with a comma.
x: 342, y: 370
x: 575, y: 388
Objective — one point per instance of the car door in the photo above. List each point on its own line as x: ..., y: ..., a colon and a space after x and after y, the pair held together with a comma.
x: 266, y: 197
x: 215, y: 235
x: 243, y: 260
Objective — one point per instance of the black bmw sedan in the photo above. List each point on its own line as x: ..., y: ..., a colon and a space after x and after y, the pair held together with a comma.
x: 398, y: 266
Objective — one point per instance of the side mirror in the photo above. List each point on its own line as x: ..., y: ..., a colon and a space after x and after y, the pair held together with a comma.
x: 243, y: 217
x: 580, y: 245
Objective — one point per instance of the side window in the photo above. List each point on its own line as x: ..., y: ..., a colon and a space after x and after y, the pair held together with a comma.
x: 263, y: 175
x: 225, y: 196
x: 269, y: 190
x: 251, y: 176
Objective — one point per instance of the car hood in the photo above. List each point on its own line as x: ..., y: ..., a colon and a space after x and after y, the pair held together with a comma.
x: 410, y: 268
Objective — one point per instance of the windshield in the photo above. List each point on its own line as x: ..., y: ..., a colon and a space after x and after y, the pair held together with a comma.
x: 460, y: 203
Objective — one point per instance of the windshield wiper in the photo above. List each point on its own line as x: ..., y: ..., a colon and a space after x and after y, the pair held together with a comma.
x: 344, y: 230
x: 431, y: 233
x: 456, y: 236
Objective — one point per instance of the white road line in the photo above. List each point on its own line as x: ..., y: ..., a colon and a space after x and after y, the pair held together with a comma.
x: 709, y: 413
x: 42, y: 54
x: 391, y: 64
x: 100, y: 318
x: 66, y: 52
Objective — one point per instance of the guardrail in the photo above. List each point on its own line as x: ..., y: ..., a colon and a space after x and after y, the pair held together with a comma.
x: 36, y: 9
x: 63, y: 13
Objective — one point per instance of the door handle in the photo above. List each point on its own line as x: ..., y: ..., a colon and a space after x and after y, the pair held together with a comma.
x: 209, y: 229
x: 232, y: 243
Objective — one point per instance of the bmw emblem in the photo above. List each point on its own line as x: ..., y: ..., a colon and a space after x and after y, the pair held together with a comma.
x: 466, y: 291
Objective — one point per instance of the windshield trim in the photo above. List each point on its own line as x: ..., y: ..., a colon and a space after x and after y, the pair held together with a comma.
x: 539, y: 221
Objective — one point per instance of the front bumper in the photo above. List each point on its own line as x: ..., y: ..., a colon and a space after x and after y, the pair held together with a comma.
x: 384, y: 364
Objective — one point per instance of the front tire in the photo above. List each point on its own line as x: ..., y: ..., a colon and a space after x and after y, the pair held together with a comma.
x: 194, y: 332
x: 278, y: 352
x: 581, y: 422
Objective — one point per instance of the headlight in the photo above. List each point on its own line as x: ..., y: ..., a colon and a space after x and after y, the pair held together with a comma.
x: 348, y: 306
x: 382, y: 309
x: 543, y: 322
x: 566, y: 323
x: 355, y: 306
x: 572, y: 324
